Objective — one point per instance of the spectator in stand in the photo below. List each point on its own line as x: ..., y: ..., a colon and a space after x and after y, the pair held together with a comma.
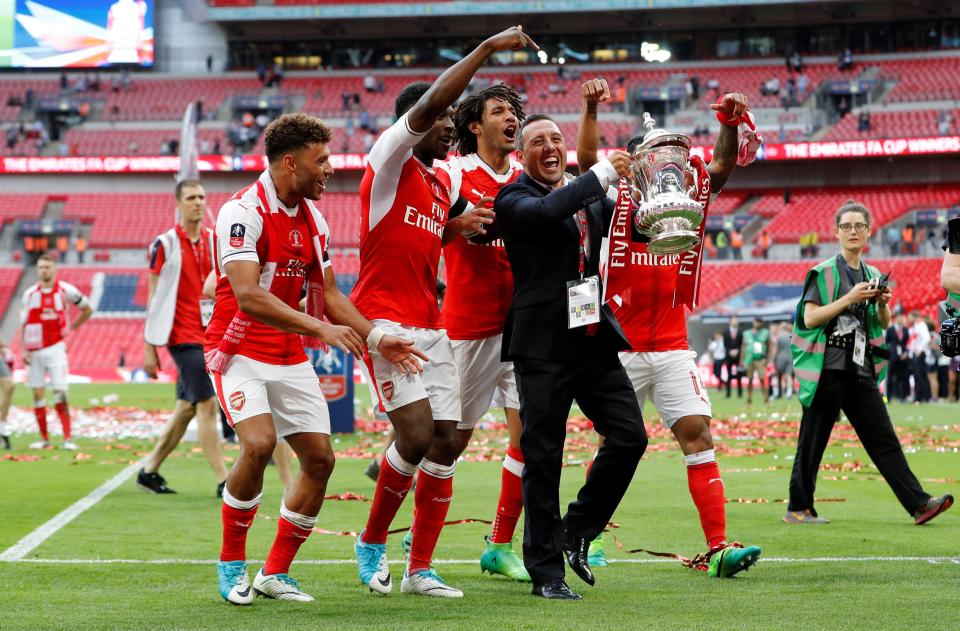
x: 262, y: 74
x: 345, y: 100
x: 63, y: 246
x: 64, y: 82
x: 843, y: 106
x: 944, y: 121
x: 790, y: 97
x: 277, y: 74
x: 723, y: 242
x: 12, y: 137
x: 898, y: 370
x: 906, y: 235
x: 80, y: 245
x: 718, y: 353
x: 803, y: 84
x: 216, y: 147
x: 209, y: 63
x: 30, y: 247
x: 845, y: 61
x: 164, y: 148
x: 863, y: 122
x: 709, y: 247
x: 893, y: 240
x: 364, y: 119
x: 795, y: 62
x: 736, y: 244
x: 787, y: 194
x: 765, y: 244
x: 174, y: 146
x: 695, y: 84
x: 917, y: 346
x: 714, y: 86
x: 770, y: 87
x: 262, y: 120
x: 370, y: 84
x: 814, y: 244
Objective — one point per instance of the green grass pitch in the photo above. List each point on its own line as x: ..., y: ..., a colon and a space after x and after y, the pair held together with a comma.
x: 840, y: 576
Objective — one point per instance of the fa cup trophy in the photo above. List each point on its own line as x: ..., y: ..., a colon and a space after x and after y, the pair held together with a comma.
x: 666, y: 213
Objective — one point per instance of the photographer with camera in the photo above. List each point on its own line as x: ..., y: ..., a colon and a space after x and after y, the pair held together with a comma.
x: 950, y: 280
x: 839, y: 356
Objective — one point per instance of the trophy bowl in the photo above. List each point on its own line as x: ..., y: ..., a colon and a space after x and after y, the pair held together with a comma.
x: 665, y: 211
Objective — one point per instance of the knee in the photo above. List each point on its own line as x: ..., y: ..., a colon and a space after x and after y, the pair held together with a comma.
x: 447, y: 446
x: 318, y: 465
x: 258, y: 448
x: 694, y: 435
x: 414, y: 443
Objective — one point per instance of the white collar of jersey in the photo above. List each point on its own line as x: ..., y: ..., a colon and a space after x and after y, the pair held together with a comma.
x: 500, y: 178
x: 272, y: 199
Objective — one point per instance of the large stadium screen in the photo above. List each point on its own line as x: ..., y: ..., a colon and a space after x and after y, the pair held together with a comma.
x: 75, y: 33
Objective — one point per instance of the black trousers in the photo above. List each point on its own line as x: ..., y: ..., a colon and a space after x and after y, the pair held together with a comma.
x: 733, y: 372
x: 860, y: 400
x: 599, y: 384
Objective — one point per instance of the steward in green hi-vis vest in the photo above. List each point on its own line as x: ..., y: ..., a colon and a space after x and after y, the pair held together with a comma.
x: 809, y: 344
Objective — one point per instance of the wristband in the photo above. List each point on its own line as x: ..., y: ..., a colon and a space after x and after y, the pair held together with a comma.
x: 727, y: 119
x: 373, y: 338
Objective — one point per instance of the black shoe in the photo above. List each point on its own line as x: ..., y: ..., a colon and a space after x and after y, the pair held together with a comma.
x: 576, y: 549
x: 220, y: 488
x: 6, y: 442
x: 555, y: 589
x: 372, y: 471
x: 933, y: 507
x: 153, y: 483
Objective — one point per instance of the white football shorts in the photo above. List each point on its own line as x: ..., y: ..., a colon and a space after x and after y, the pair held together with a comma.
x: 671, y: 380
x: 52, y: 361
x: 485, y: 381
x: 439, y: 382
x: 291, y: 394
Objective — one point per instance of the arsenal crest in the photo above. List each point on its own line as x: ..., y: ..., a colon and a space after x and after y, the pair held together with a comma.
x: 296, y: 239
x: 237, y: 400
x: 388, y: 390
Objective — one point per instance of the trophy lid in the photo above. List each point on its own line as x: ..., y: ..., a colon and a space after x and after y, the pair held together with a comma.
x: 655, y: 136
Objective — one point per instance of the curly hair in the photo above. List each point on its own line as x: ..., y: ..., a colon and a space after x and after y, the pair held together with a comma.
x: 471, y: 110
x: 852, y: 206
x: 292, y: 132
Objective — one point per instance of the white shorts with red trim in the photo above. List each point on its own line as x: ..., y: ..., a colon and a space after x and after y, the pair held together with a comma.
x: 291, y: 394
x: 52, y: 361
x: 439, y: 382
x: 485, y: 381
x: 672, y: 382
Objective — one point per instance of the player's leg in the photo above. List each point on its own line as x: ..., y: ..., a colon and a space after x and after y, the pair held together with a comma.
x: 149, y: 478
x: 434, y: 490
x: 208, y: 435
x: 37, y: 382
x: 242, y: 395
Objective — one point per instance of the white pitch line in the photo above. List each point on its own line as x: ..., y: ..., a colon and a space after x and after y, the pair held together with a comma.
x: 22, y: 548
x: 867, y: 559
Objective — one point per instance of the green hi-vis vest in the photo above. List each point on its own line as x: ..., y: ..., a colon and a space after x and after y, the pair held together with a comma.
x: 756, y: 344
x: 809, y: 345
x: 953, y: 300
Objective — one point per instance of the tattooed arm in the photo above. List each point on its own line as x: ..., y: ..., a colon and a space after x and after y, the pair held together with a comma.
x: 725, y: 148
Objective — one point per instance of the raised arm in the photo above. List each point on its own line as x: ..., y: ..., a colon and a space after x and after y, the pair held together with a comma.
x: 450, y: 85
x: 594, y: 91
x: 725, y: 148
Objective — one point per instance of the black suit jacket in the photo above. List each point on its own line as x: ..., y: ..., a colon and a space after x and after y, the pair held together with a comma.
x: 731, y: 342
x: 897, y: 345
x: 541, y: 234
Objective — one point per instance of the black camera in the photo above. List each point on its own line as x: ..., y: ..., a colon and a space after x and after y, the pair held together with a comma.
x: 950, y: 334
x: 880, y: 283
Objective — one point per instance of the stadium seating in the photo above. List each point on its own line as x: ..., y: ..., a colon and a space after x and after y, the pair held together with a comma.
x: 21, y: 206
x: 722, y: 280
x: 163, y: 98
x: 813, y: 209
x: 108, y: 142
x: 9, y: 277
x: 922, y: 79
x: 98, y: 344
x: 905, y: 124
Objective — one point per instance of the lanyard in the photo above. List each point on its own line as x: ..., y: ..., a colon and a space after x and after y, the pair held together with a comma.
x: 859, y: 309
x: 199, y: 251
x: 582, y: 225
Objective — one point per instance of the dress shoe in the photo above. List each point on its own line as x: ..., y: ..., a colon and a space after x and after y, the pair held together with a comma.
x: 577, y: 551
x: 555, y: 589
x: 933, y: 507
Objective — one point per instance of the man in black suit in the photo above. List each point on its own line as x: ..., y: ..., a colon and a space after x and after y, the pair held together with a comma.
x: 552, y: 229
x: 898, y: 375
x: 732, y: 341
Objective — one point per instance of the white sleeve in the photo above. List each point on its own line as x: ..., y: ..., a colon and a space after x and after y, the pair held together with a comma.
x: 24, y: 309
x: 238, y: 230
x: 74, y: 296
x: 394, y: 144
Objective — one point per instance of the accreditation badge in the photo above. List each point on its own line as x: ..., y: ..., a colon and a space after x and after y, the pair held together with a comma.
x: 859, y: 347
x: 206, y: 311
x: 583, y: 302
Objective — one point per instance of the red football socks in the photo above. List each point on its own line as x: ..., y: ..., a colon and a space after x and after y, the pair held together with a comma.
x: 40, y: 411
x: 64, y: 413
x: 432, y: 502
x: 511, y: 498
x: 236, y: 523
x: 285, y: 546
x: 392, y: 488
x: 706, y: 488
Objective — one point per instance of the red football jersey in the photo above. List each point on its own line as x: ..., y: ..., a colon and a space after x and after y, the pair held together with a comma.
x: 650, y: 321
x: 403, y: 208
x: 195, y: 266
x: 479, y: 282
x: 44, y: 313
x: 255, y: 226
